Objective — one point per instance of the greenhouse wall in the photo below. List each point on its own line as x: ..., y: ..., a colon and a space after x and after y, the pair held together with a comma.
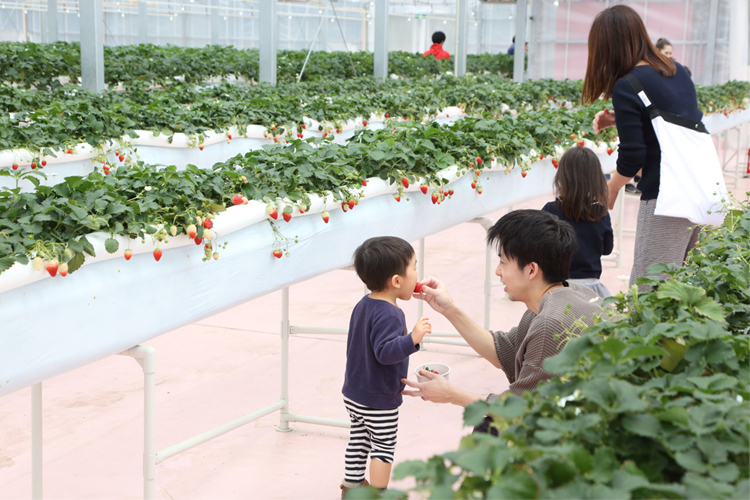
x: 699, y: 30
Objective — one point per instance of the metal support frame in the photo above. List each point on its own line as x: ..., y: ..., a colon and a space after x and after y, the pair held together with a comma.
x: 52, y: 35
x: 142, y: 21
x: 380, y: 56
x: 269, y: 40
x: 710, y: 55
x: 36, y: 441
x: 462, y: 7
x: 519, y: 54
x: 216, y: 23
x: 92, y: 45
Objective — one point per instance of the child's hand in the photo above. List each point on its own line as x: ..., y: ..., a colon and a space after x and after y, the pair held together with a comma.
x: 422, y: 327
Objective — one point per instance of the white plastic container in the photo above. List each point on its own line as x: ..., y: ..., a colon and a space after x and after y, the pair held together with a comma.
x: 442, y: 369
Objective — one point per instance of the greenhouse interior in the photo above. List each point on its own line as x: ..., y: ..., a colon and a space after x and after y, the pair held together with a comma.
x: 398, y: 249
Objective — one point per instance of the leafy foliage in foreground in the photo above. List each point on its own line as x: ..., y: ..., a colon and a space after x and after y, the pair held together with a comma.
x: 651, y: 403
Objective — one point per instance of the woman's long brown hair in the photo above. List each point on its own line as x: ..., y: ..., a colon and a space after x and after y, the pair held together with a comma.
x: 581, y: 186
x: 618, y: 41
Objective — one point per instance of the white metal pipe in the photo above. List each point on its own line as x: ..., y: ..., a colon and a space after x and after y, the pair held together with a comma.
x: 36, y: 441
x: 297, y: 330
x: 283, y: 423
x: 146, y: 358
x: 218, y: 431
x: 429, y: 340
x: 295, y: 417
x: 444, y: 333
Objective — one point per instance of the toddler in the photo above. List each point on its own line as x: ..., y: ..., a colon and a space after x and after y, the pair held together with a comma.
x: 377, y: 357
x: 582, y: 200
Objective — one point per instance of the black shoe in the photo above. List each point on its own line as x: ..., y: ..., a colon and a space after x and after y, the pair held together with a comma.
x: 631, y: 189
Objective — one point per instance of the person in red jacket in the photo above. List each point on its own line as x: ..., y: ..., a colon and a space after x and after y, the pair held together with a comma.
x: 438, y: 39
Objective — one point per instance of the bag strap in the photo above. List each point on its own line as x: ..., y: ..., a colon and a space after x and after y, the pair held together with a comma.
x: 653, y: 111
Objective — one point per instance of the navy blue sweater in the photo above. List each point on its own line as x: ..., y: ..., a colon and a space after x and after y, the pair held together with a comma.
x: 594, y: 240
x: 639, y: 148
x: 377, y: 354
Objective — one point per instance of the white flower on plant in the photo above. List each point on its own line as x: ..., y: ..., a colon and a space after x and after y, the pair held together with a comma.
x: 623, y: 277
x: 594, y: 299
x: 147, y: 188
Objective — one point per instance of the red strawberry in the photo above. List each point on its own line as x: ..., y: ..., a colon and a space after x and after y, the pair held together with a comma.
x: 192, y: 230
x: 276, y: 140
x: 338, y: 130
x: 479, y: 161
x: 44, y: 163
x: 477, y: 173
x: 364, y: 183
x: 396, y: 196
x: 33, y: 166
x: 473, y: 185
x: 523, y: 174
x: 237, y: 199
x: 51, y: 267
x: 128, y: 254
x: 157, y: 254
x: 208, y: 223
x: 351, y: 204
x: 434, y: 198
x: 63, y: 269
x: 572, y: 136
x: 229, y: 136
x: 198, y: 241
x: 609, y: 151
x: 302, y: 209
x: 418, y: 288
x: 583, y: 134
x: 423, y: 188
x: 325, y: 134
x: 287, y: 214
x: 272, y: 213
x: 325, y: 216
x: 344, y: 206
x: 541, y: 157
x: 15, y: 166
x: 551, y: 98
x: 117, y: 153
x: 404, y: 181
x: 479, y: 190
x: 200, y: 147
x: 387, y: 115
x: 122, y: 157
x: 278, y: 254
x: 450, y: 192
x: 580, y: 143
x: 558, y: 141
x: 304, y: 126
x: 364, y: 123
x: 68, y: 152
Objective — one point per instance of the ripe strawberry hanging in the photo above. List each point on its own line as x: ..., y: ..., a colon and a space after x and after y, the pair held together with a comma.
x: 523, y: 174
x: 351, y: 204
x: 479, y: 161
x: 237, y: 199
x: 580, y: 143
x: 473, y: 185
x: 15, y: 166
x: 387, y: 115
x: 609, y: 151
x: 450, y: 192
x: 278, y: 254
x: 157, y: 254
x: 200, y: 147
x: 344, y: 206
x: 229, y: 136
x: 325, y: 216
x: 51, y: 267
x: 364, y: 183
x: 287, y: 213
x: 434, y: 198
x: 405, y: 182
x: 208, y: 224
x: 364, y: 123
x: 423, y: 188
x: 128, y: 254
x: 44, y: 163
x: 198, y: 241
x: 33, y: 166
x: 396, y: 196
x: 121, y: 157
x: 272, y: 212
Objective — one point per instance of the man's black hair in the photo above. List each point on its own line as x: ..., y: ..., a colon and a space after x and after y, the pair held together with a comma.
x: 378, y: 259
x: 438, y: 37
x: 528, y: 236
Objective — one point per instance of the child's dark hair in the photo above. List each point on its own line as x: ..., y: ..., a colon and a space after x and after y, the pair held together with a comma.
x: 438, y: 37
x: 536, y: 236
x: 378, y: 259
x: 581, y: 186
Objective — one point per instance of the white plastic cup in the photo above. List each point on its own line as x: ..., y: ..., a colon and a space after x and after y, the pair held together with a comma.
x: 442, y: 369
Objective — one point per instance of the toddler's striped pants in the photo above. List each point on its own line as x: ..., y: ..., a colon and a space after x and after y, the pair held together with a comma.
x: 373, y: 433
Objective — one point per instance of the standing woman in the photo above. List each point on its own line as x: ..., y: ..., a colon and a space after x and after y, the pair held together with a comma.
x: 618, y: 45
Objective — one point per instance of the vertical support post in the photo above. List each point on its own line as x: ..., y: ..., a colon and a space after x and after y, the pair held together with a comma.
x: 519, y: 57
x: 269, y: 38
x: 708, y: 61
x: 142, y: 22
x: 216, y: 23
x: 92, y: 45
x: 146, y: 357
x: 52, y: 35
x: 462, y: 6
x: 487, y: 285
x: 380, y: 57
x: 36, y: 441
x: 283, y: 422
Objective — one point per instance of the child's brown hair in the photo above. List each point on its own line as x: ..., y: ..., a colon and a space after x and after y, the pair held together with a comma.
x: 581, y: 186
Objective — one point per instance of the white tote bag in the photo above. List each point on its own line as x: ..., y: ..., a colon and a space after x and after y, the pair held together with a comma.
x: 691, y: 183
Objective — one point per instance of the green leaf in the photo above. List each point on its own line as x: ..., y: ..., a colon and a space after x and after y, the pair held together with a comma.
x: 6, y: 263
x: 642, y: 424
x: 75, y: 262
x: 676, y: 414
x: 681, y: 292
x: 709, y: 308
x: 582, y: 459
x: 87, y: 247
x: 111, y: 245
x: 675, y: 354
x: 475, y: 412
x: 514, y: 484
x: 605, y: 465
x: 643, y: 350
x: 691, y: 460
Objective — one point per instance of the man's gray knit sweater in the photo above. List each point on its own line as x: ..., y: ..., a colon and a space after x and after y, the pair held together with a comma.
x: 524, y: 348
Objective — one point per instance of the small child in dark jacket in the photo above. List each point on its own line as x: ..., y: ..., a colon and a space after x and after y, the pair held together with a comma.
x: 377, y: 357
x: 582, y: 196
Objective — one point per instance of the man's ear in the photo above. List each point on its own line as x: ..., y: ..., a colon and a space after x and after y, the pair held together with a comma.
x: 533, y: 271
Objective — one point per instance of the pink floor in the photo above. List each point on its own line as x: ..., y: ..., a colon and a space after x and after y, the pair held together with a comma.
x: 226, y: 366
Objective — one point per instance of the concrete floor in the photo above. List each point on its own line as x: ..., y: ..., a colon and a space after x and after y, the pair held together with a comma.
x: 226, y: 366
